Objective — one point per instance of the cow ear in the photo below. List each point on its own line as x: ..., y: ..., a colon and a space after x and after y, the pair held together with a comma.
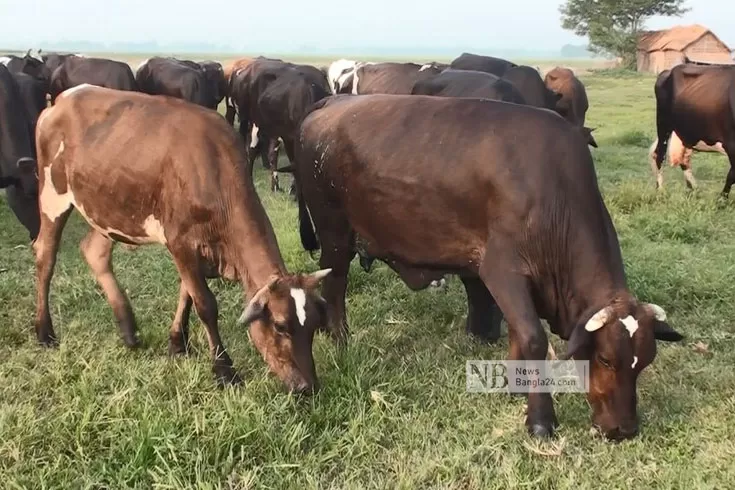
x: 26, y: 165
x: 578, y: 341
x: 662, y: 331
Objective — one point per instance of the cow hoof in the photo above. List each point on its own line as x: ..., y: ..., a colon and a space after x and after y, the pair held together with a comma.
x: 541, y: 431
x: 226, y: 375
x: 49, y: 341
x: 177, y: 348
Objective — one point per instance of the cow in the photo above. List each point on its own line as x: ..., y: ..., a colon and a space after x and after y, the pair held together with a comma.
x: 341, y: 72
x: 143, y: 170
x: 273, y: 96
x: 680, y: 156
x: 33, y: 95
x: 17, y: 154
x: 216, y: 80
x: 29, y: 64
x: 698, y: 103
x: 572, y: 103
x: 524, y: 226
x: 467, y: 83
x: 54, y: 60
x: 185, y: 80
x: 531, y: 86
x: 230, y: 70
x: 388, y: 78
x: 76, y: 70
x: 488, y: 64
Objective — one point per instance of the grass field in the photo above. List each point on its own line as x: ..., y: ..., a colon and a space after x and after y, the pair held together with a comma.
x: 393, y: 411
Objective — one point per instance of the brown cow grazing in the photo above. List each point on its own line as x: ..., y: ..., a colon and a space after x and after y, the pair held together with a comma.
x: 679, y: 156
x: 148, y: 169
x: 523, y: 225
x: 698, y: 103
x: 573, y: 103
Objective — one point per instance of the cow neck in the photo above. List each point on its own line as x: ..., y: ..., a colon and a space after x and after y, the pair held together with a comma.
x: 592, y: 279
x: 255, y: 249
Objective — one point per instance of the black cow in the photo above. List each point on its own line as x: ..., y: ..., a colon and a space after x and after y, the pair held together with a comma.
x: 175, y: 78
x: 28, y: 64
x: 17, y: 154
x: 77, y: 70
x: 476, y: 62
x: 215, y: 75
x: 271, y: 97
x: 698, y: 103
x: 33, y: 96
x: 467, y: 83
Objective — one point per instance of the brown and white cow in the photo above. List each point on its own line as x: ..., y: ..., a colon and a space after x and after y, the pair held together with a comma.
x: 147, y: 169
x: 698, y: 104
x: 680, y: 156
x: 522, y: 225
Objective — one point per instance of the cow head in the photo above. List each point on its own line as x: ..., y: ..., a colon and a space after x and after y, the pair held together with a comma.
x: 283, y: 317
x: 338, y: 74
x: 619, y: 341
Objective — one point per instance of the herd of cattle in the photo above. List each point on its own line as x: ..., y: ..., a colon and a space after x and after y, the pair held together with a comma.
x: 479, y: 168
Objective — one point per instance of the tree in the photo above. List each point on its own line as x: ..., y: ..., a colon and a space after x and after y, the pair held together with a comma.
x: 613, y: 26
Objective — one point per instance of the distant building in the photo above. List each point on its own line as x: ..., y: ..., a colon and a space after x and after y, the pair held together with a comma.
x: 661, y: 50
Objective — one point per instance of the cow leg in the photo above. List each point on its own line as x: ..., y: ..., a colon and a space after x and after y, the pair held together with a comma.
x: 731, y: 173
x: 484, y: 316
x: 337, y: 253
x: 230, y: 114
x: 528, y: 338
x: 97, y: 250
x: 288, y: 144
x: 46, y: 247
x: 655, y: 165
x: 178, y: 340
x: 686, y: 167
x: 206, y: 307
x: 270, y: 160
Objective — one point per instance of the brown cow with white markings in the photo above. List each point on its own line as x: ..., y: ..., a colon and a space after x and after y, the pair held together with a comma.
x: 146, y: 169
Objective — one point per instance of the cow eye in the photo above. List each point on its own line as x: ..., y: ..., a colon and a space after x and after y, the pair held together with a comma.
x: 281, y: 327
x: 605, y: 362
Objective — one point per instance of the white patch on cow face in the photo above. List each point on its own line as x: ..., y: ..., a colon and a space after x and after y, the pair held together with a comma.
x: 631, y: 324
x: 426, y: 66
x: 635, y: 362
x: 254, y: 137
x: 299, y: 299
x: 154, y: 229
x: 4, y: 60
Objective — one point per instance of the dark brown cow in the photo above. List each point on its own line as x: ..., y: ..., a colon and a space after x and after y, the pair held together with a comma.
x: 274, y: 96
x: 143, y: 169
x: 468, y: 83
x: 389, y: 78
x: 77, y: 70
x: 524, y: 225
x: 698, y: 103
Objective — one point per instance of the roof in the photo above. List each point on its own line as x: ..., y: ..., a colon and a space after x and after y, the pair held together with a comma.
x: 722, y: 58
x: 677, y: 38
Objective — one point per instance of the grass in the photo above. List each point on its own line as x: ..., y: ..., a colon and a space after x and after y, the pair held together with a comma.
x: 393, y: 412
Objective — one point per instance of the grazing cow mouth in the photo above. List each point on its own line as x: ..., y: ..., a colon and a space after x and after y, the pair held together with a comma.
x: 618, y: 434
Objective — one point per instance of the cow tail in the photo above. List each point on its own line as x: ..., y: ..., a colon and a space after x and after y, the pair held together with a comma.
x: 306, y: 228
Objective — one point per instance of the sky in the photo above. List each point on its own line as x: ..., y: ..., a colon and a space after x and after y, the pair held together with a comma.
x: 290, y: 25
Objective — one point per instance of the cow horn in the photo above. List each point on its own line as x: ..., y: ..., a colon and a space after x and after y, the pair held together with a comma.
x: 599, y: 319
x: 255, y: 307
x: 657, y: 311
x: 319, y: 275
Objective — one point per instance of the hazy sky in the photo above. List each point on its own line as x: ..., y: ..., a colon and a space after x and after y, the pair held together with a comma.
x: 278, y: 25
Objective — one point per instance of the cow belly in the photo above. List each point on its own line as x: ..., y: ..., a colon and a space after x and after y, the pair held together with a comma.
x: 54, y: 203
